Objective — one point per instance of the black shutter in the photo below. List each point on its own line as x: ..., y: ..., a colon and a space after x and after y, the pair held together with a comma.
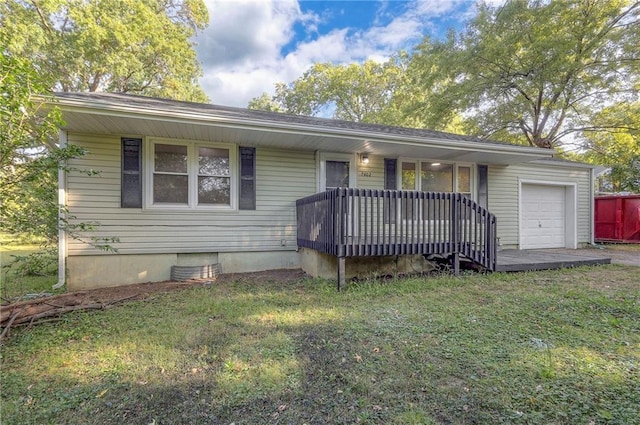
x: 483, y: 187
x: 390, y: 165
x: 131, y: 178
x: 247, y: 178
x: 390, y: 183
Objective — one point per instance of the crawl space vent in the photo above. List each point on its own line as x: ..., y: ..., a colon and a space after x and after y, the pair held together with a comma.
x: 208, y: 271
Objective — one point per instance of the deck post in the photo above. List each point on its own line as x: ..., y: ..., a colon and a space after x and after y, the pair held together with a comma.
x: 455, y: 263
x: 341, y: 273
x: 454, y: 237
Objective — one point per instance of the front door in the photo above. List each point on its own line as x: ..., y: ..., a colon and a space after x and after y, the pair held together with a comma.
x: 339, y: 170
x: 336, y: 170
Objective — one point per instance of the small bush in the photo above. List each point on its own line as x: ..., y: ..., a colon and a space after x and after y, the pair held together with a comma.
x: 43, y: 262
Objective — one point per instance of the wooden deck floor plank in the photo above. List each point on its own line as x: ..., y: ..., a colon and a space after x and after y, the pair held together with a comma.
x: 513, y: 260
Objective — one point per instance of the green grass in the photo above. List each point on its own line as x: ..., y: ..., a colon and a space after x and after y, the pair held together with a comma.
x: 559, y: 347
x: 13, y: 283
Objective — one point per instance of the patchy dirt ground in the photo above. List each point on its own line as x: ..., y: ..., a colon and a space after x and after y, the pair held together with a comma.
x: 626, y: 254
x: 28, y: 312
x: 142, y: 291
x: 104, y: 297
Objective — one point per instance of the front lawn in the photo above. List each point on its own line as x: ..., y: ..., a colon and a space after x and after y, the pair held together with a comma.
x: 560, y: 347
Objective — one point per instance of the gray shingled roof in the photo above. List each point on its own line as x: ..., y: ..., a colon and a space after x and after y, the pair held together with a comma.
x: 240, y: 114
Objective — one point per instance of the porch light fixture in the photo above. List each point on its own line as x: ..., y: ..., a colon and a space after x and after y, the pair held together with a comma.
x: 435, y: 164
x: 364, y: 158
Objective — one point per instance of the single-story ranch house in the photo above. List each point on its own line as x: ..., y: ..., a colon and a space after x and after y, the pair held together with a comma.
x: 198, y: 185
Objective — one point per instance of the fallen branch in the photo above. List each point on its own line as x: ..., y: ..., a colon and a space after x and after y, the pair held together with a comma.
x: 6, y: 329
x: 31, y: 312
x: 58, y: 311
x: 16, y: 318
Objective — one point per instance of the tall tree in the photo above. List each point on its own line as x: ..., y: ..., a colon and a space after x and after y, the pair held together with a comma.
x: 264, y: 103
x: 25, y: 134
x: 532, y: 71
x: 618, y: 148
x: 354, y: 92
x: 131, y: 46
x: 29, y: 156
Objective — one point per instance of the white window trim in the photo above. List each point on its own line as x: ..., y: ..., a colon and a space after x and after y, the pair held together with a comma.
x: 192, y: 169
x: 399, y: 173
x: 456, y: 165
x: 473, y: 177
x: 321, y: 167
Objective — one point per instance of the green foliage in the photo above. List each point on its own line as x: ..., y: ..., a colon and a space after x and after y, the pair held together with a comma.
x: 28, y: 152
x: 264, y: 103
x: 43, y: 262
x: 355, y: 92
x: 26, y: 269
x: 617, y: 148
x: 129, y: 46
x: 531, y: 71
x: 549, y: 347
x: 30, y: 157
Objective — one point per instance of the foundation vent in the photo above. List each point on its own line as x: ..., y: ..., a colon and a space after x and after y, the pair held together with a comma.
x: 208, y: 271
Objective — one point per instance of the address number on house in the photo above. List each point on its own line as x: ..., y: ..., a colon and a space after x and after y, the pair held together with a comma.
x: 365, y: 173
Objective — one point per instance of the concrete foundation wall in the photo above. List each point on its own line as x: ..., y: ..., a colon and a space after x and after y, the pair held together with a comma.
x: 243, y: 262
x: 322, y: 265
x: 101, y: 271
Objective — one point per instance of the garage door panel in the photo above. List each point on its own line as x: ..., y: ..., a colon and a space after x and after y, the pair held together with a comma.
x: 543, y: 216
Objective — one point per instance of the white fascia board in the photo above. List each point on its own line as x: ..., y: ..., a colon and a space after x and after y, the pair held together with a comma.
x: 564, y: 164
x: 209, y: 118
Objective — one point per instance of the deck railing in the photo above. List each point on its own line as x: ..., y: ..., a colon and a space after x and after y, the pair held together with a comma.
x: 361, y: 222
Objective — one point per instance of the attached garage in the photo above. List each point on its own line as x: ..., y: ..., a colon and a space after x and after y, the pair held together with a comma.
x: 547, y: 215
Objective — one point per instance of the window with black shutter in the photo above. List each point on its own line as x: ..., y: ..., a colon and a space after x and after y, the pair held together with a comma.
x: 390, y: 174
x: 247, y: 179
x: 131, y: 183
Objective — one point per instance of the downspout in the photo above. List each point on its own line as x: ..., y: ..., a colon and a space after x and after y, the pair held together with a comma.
x: 62, y: 203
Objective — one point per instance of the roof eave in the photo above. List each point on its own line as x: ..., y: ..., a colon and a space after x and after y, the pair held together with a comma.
x: 218, y: 119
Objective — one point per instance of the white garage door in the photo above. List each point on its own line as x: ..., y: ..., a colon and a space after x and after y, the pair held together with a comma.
x: 543, y: 216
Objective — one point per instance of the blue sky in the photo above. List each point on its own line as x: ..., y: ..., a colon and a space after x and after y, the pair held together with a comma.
x: 252, y: 44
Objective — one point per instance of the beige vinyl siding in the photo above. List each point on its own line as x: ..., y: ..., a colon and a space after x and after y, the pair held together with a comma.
x: 282, y: 176
x: 371, y: 175
x: 504, y: 202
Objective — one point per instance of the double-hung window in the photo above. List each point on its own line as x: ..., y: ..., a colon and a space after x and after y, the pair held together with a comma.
x: 191, y: 175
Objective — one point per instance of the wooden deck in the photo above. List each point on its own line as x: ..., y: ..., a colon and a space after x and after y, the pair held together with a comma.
x: 513, y: 260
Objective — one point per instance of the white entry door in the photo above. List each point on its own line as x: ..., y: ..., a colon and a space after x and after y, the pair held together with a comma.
x: 543, y: 216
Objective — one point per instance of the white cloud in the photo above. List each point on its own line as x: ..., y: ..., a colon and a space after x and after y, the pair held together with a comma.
x: 242, y: 32
x: 241, y: 50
